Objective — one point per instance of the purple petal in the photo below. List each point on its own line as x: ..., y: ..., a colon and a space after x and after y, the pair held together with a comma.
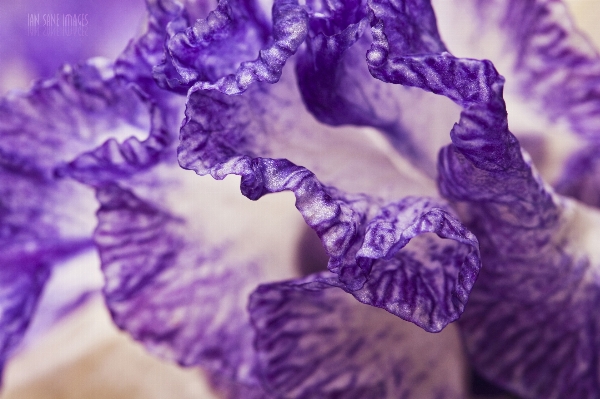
x: 536, y: 45
x: 529, y: 326
x: 213, y: 46
x: 114, y: 160
x: 196, y: 54
x: 429, y: 280
x: 45, y: 220
x: 338, y: 89
x: 164, y: 290
x: 43, y: 128
x: 179, y: 265
x: 20, y: 289
x: 530, y: 321
x: 552, y: 72
x: 537, y: 287
x: 314, y: 341
x: 228, y: 135
x: 580, y: 179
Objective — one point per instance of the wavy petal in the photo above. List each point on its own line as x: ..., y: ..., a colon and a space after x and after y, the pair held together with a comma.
x: 180, y: 259
x: 314, y: 341
x: 539, y: 285
x: 338, y: 89
x: 225, y: 135
x: 45, y: 219
x: 539, y: 282
x: 541, y: 52
x: 552, y: 72
x: 195, y: 55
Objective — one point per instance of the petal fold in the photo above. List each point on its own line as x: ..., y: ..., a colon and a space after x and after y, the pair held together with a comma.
x: 314, y: 341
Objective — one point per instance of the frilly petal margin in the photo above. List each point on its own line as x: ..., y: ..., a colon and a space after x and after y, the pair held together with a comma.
x: 195, y: 56
x: 338, y: 89
x: 539, y: 287
x: 114, y: 160
x: 314, y: 341
x: 363, y: 236
x: 290, y: 22
x: 213, y: 47
x: 547, y: 54
x: 530, y: 325
x: 552, y: 70
x: 44, y: 219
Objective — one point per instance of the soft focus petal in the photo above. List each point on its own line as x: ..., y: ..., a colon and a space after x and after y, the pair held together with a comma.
x: 581, y: 176
x: 46, y: 219
x: 20, y: 289
x: 38, y: 37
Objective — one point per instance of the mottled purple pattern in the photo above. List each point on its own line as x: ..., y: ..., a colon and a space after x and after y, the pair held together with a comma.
x: 179, y: 272
x: 225, y: 135
x: 211, y: 47
x: 538, y: 285
x: 338, y: 89
x: 215, y: 53
x: 409, y: 27
x: 314, y: 341
x: 172, y: 289
x: 552, y: 57
x: 581, y: 177
x: 166, y: 289
x: 552, y: 70
x: 414, y: 283
x: 44, y: 219
x: 473, y: 84
x: 20, y: 288
x: 288, y: 33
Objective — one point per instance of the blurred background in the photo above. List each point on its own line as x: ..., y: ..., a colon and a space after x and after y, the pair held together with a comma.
x: 85, y: 356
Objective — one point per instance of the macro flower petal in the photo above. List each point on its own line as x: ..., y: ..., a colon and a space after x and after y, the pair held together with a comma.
x: 552, y: 71
x: 313, y: 340
x: 46, y: 219
x: 339, y: 90
x: 539, y: 283
x: 195, y: 54
x: 225, y: 135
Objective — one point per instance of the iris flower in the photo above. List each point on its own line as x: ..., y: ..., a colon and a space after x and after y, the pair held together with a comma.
x: 428, y: 257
